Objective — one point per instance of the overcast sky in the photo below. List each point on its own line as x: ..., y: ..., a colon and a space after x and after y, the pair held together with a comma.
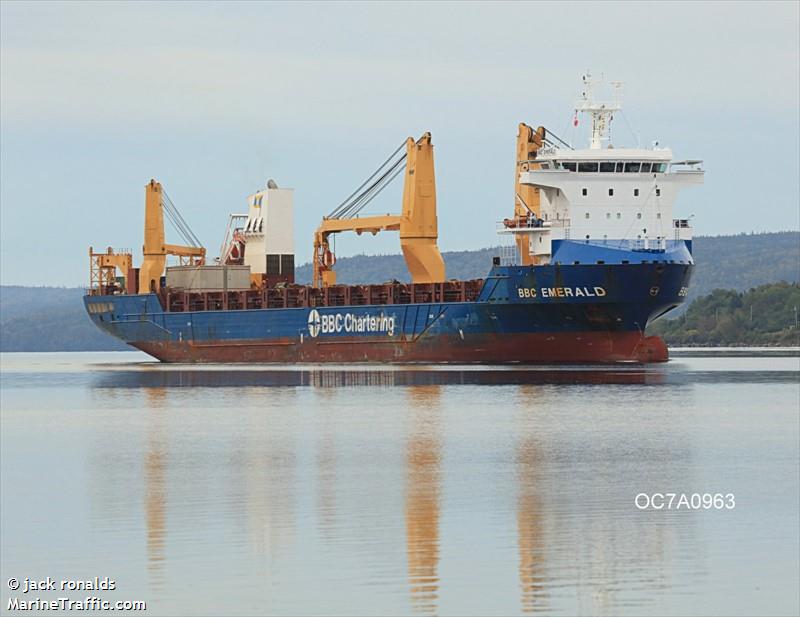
x: 214, y: 98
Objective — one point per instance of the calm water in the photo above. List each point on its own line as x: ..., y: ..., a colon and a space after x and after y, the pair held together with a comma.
x: 247, y: 490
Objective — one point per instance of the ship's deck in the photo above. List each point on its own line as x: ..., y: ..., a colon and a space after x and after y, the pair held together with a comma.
x: 305, y: 296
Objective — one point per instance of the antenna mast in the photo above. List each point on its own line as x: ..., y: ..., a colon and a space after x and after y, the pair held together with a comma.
x: 601, y: 113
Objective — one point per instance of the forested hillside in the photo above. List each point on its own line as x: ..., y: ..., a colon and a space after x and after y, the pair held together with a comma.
x: 49, y: 319
x: 382, y: 268
x: 764, y: 315
x: 53, y: 319
x: 730, y: 262
x: 744, y: 261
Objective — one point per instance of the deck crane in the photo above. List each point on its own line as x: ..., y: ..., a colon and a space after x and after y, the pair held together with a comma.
x: 155, y: 249
x: 526, y: 197
x: 103, y: 266
x: 417, y: 223
x: 103, y: 270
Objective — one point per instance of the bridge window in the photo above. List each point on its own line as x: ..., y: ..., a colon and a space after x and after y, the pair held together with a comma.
x: 658, y: 168
x: 545, y: 165
x: 632, y: 167
x: 620, y: 167
x: 646, y: 168
x: 607, y: 167
x: 587, y: 166
x: 568, y: 166
x: 610, y: 192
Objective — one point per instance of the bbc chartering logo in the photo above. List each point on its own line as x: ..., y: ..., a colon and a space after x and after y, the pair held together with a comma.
x: 349, y: 323
x: 314, y: 322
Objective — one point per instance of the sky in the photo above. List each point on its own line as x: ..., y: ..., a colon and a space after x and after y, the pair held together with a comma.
x: 212, y: 99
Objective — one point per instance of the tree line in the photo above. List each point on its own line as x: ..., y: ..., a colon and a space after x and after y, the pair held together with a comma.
x: 762, y: 316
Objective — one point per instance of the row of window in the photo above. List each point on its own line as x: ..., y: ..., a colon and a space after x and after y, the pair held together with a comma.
x: 635, y: 167
x: 255, y: 225
x: 619, y: 215
x: 585, y: 192
x: 608, y: 216
x: 100, y: 307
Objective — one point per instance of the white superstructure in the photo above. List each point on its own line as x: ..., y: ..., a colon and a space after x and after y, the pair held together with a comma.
x: 605, y: 194
x: 264, y: 237
x: 269, y: 229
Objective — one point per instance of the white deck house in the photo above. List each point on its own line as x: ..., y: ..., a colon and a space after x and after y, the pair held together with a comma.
x: 606, y: 195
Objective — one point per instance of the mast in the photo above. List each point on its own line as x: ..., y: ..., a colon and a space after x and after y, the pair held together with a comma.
x: 601, y: 113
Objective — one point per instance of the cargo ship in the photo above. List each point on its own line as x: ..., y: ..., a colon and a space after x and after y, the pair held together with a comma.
x: 590, y: 257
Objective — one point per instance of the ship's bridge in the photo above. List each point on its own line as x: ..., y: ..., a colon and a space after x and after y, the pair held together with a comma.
x: 611, y: 194
x: 599, y: 197
x: 548, y: 157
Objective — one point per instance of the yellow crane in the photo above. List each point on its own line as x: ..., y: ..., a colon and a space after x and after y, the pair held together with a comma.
x: 103, y: 270
x: 155, y: 249
x: 526, y: 197
x: 103, y: 266
x: 417, y: 223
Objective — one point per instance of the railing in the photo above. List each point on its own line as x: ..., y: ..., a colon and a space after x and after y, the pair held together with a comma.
x: 530, y: 224
x: 649, y: 244
x: 299, y: 296
x: 509, y: 255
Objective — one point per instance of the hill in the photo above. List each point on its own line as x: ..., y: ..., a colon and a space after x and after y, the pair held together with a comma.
x: 49, y: 319
x: 744, y: 261
x: 732, y: 262
x: 381, y: 268
x: 764, y: 315
x: 53, y: 319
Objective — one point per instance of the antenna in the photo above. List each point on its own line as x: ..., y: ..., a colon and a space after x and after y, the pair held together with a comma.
x: 601, y: 113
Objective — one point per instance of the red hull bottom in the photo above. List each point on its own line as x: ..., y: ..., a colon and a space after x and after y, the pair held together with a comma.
x: 533, y: 348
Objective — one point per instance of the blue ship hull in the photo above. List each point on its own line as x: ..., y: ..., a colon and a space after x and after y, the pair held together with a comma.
x: 556, y: 313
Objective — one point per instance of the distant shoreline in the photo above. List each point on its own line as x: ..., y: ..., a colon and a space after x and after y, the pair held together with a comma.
x: 775, y: 351
x: 49, y: 319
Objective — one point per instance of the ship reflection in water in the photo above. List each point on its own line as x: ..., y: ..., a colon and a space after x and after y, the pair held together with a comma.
x: 375, y: 490
x: 423, y: 482
x: 266, y: 465
x: 155, y: 490
x: 530, y: 530
x: 168, y: 376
